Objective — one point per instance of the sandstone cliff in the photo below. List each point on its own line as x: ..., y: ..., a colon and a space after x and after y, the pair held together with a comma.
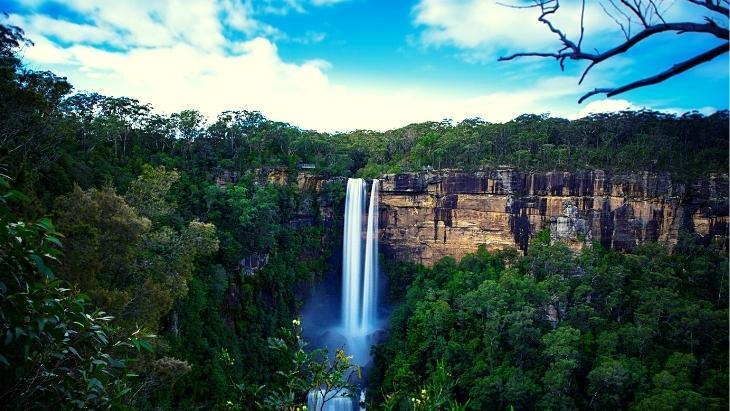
x: 425, y: 216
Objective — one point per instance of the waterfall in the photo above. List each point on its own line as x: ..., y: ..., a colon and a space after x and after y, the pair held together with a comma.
x: 360, y: 273
x: 337, y: 400
x: 370, y: 277
x: 352, y: 254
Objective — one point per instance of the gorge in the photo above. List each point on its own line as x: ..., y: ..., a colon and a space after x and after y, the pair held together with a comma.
x: 423, y: 217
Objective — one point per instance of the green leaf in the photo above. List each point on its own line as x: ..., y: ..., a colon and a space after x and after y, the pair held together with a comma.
x: 116, y: 363
x: 95, y: 383
x: 45, y: 223
x: 4, y: 360
x: 147, y: 346
x: 54, y: 240
x: 15, y: 195
x: 42, y: 267
x: 101, y: 335
x: 41, y: 323
x: 73, y: 350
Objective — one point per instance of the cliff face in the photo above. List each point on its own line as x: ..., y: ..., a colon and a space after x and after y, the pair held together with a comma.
x: 424, y: 217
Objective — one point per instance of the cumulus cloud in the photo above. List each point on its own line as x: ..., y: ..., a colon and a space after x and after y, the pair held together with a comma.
x: 604, y: 106
x: 133, y: 23
x: 255, y: 77
x: 65, y: 31
x: 486, y: 27
x: 483, y: 30
x: 615, y: 105
x: 284, y: 7
x: 176, y: 58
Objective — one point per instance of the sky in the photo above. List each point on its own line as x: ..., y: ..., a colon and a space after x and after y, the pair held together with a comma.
x: 340, y: 65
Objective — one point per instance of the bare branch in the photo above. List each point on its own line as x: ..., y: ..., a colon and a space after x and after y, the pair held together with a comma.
x: 627, y: 34
x: 651, y: 17
x: 585, y: 72
x: 625, y: 16
x: 675, y: 70
x: 655, y: 10
x: 716, y: 7
x: 582, y: 21
x: 709, y: 28
x: 634, y: 9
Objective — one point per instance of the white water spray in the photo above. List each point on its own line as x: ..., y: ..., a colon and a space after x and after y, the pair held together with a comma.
x: 360, y: 273
x: 352, y: 255
x: 370, y: 276
x: 360, y: 276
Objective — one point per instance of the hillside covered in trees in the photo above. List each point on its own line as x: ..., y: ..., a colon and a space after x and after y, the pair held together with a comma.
x: 123, y: 281
x: 555, y: 330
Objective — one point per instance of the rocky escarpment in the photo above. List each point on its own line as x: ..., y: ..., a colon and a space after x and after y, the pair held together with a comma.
x: 426, y: 216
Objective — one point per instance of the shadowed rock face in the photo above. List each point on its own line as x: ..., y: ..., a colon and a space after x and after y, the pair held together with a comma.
x: 425, y: 216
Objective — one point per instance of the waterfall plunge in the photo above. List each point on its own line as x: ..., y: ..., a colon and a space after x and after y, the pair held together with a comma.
x: 352, y: 254
x: 360, y: 275
x: 370, y: 274
x: 359, y: 318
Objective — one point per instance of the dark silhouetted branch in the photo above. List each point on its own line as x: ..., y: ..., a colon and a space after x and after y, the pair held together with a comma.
x: 676, y: 69
x: 652, y: 22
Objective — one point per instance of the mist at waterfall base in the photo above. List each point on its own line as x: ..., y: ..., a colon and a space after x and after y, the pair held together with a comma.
x: 346, y: 309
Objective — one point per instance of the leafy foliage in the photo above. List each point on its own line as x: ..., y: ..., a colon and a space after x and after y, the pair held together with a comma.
x: 309, y: 371
x: 555, y: 330
x: 57, y: 349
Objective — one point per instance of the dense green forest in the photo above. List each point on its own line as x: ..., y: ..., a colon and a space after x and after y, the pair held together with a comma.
x: 555, y: 330
x: 125, y: 233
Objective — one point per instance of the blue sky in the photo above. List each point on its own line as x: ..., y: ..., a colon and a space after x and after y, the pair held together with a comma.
x: 349, y: 64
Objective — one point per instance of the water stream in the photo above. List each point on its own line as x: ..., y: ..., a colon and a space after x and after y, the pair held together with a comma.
x: 359, y: 320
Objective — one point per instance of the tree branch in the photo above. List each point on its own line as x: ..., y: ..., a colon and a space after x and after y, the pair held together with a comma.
x: 647, y: 13
x: 675, y: 70
x: 637, y: 11
x: 680, y: 28
x: 716, y: 7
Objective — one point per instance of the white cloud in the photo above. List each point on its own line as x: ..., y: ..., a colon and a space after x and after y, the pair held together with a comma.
x: 174, y: 55
x: 614, y: 105
x: 283, y: 7
x: 146, y: 23
x: 326, y: 2
x: 65, y: 31
x: 485, y: 27
x: 605, y: 106
x: 310, y: 37
x: 181, y: 76
x: 239, y: 15
x: 178, y: 77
